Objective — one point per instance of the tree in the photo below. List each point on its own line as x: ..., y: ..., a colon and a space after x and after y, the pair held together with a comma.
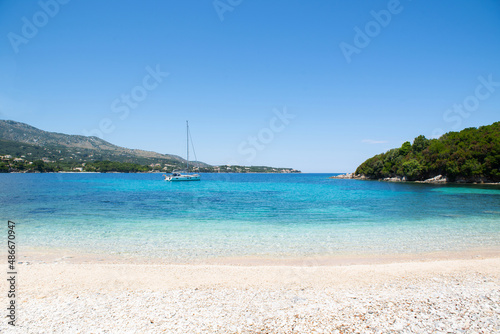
x: 405, y: 149
x: 471, y: 168
x: 419, y: 144
x: 4, y: 168
x: 412, y: 169
x: 39, y: 165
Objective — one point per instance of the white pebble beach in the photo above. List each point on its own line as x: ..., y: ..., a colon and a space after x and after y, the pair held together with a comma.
x: 90, y: 296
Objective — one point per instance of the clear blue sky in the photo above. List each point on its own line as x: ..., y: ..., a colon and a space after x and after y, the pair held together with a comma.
x: 352, y: 95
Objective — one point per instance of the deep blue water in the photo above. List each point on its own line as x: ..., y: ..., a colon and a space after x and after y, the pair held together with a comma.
x: 276, y: 215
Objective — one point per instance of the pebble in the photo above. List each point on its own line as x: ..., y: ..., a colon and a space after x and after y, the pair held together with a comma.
x: 433, y: 306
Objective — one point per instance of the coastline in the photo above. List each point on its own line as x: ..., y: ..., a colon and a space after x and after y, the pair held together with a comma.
x: 421, y: 296
x: 439, y: 179
x: 80, y: 256
x: 148, y: 172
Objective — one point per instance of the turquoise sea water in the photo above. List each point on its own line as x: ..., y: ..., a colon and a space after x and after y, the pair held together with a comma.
x: 225, y: 215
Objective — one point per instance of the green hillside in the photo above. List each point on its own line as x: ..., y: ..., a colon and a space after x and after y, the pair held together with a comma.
x: 20, y: 139
x: 472, y: 154
x: 24, y: 148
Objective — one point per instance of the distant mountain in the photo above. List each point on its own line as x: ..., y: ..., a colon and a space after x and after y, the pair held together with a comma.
x: 69, y: 152
x: 19, y: 139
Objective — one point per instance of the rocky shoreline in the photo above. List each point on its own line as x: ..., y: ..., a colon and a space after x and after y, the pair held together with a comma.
x: 439, y: 179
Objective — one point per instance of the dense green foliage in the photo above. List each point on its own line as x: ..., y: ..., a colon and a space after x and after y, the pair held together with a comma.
x: 471, y: 154
x: 106, y: 166
x: 75, y: 156
x: 114, y: 166
x: 37, y: 166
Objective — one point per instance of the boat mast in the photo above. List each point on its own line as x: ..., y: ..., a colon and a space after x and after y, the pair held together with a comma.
x: 187, y: 141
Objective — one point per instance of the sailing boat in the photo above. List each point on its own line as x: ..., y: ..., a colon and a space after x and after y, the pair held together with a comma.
x: 184, y: 175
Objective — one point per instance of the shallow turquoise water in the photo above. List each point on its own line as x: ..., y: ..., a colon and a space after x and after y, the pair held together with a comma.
x: 276, y: 215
